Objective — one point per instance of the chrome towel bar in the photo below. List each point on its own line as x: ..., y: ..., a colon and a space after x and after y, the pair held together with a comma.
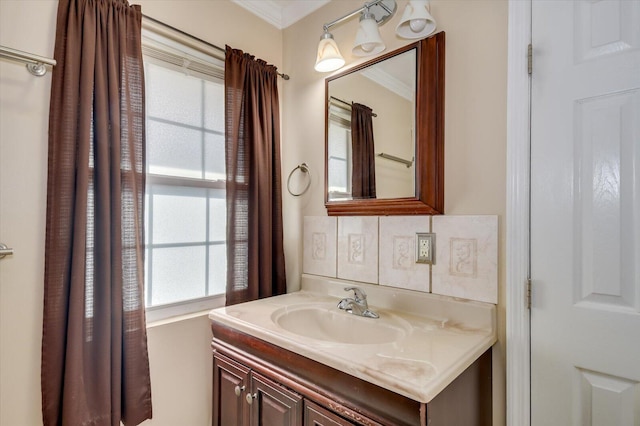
x: 36, y: 64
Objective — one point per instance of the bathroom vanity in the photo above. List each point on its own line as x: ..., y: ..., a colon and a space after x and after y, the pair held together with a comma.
x: 297, y: 359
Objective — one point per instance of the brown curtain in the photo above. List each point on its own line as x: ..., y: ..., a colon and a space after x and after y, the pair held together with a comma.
x: 255, y: 253
x: 95, y: 369
x: 363, y: 178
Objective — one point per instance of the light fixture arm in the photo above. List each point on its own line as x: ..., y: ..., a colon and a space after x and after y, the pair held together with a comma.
x: 382, y: 5
x: 356, y: 12
x: 368, y: 40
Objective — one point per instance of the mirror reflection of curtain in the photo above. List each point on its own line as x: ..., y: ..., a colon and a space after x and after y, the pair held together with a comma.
x: 363, y: 156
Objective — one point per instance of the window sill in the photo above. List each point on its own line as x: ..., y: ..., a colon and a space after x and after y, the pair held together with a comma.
x: 165, y: 314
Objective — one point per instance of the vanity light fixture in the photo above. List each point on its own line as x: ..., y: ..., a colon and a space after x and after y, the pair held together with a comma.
x: 368, y: 40
x: 416, y: 21
x: 329, y: 57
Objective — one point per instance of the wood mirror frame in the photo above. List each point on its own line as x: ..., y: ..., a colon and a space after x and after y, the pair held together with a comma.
x: 429, y: 141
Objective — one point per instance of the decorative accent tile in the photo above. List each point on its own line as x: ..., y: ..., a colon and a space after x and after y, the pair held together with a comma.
x: 319, y: 245
x: 463, y: 257
x: 402, y: 256
x: 466, y: 257
x: 358, y: 248
x: 398, y: 267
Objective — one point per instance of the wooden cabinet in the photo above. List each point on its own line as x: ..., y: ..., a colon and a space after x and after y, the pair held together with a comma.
x: 258, y: 383
x: 273, y: 404
x: 243, y: 397
x: 230, y: 385
x: 315, y: 415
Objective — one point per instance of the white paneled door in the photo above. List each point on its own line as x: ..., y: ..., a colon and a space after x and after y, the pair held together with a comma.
x: 585, y: 213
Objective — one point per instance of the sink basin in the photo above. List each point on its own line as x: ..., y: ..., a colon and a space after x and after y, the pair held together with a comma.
x: 330, y: 324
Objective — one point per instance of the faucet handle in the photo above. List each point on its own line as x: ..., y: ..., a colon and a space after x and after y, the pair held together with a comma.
x: 359, y: 293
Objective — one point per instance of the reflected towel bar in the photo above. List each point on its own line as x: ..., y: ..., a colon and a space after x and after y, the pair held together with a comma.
x: 398, y: 159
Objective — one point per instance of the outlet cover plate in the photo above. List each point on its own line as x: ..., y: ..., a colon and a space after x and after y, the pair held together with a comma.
x: 425, y: 247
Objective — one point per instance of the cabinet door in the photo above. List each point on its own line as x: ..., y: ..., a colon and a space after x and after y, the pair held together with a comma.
x: 230, y: 388
x: 272, y: 404
x: 315, y: 415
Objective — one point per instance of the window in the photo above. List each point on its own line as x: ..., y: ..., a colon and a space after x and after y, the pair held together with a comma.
x: 339, y: 161
x: 185, y: 221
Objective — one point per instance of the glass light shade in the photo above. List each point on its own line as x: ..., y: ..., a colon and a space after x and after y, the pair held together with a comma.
x: 368, y: 40
x: 416, y: 21
x: 329, y: 57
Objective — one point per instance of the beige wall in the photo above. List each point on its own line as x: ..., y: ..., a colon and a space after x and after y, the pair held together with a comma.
x: 475, y: 123
x: 180, y: 363
x: 24, y: 106
x: 179, y: 352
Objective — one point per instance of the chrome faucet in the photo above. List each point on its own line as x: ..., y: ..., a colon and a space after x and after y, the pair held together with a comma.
x: 358, y: 305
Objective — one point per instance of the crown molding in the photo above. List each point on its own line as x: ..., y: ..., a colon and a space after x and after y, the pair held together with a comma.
x: 388, y: 81
x: 281, y: 13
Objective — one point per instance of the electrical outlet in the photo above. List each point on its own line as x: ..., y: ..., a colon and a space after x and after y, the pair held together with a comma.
x: 425, y: 245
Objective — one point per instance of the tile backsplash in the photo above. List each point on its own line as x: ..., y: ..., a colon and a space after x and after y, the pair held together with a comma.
x: 319, y: 245
x: 398, y: 267
x: 358, y: 248
x: 382, y: 250
x: 466, y: 263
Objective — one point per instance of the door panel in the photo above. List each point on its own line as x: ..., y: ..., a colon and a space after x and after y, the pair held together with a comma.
x: 273, y: 405
x: 230, y: 385
x: 603, y: 199
x: 605, y: 400
x: 585, y: 213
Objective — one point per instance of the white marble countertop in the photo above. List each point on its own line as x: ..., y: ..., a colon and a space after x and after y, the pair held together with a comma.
x: 439, y: 337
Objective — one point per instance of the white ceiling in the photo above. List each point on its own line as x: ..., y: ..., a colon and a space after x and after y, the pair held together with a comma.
x: 281, y: 13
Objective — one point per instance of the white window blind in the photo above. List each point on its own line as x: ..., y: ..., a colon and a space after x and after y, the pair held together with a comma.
x: 185, y: 222
x: 339, y: 161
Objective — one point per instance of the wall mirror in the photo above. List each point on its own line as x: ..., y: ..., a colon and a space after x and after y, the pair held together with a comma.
x: 384, y: 134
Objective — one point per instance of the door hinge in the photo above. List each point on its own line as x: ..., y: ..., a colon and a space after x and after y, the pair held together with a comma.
x: 528, y: 293
x: 530, y: 58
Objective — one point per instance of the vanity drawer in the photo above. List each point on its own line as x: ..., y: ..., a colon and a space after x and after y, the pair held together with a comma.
x: 315, y: 415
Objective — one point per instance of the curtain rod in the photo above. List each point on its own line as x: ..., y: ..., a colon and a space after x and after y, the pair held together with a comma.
x: 36, y: 64
x: 155, y: 21
x: 348, y: 104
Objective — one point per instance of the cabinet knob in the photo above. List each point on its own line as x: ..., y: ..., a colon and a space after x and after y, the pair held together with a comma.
x: 250, y: 398
x: 239, y: 390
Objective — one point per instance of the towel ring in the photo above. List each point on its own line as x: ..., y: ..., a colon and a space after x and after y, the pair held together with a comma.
x: 304, y: 169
